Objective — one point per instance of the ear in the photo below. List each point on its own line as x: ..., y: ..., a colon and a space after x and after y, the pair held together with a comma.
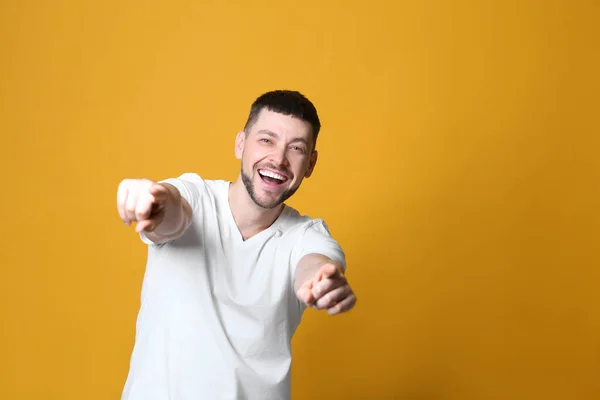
x: 239, y: 144
x: 311, y: 164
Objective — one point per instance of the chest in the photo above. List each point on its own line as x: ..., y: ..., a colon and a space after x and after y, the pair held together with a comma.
x: 253, y: 272
x: 250, y: 273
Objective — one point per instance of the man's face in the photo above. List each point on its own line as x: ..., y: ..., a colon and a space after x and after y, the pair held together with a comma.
x: 276, y: 155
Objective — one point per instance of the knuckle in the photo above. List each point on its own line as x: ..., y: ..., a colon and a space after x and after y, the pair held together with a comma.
x: 145, y: 184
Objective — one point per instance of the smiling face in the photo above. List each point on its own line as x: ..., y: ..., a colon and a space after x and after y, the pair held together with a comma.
x: 276, y: 155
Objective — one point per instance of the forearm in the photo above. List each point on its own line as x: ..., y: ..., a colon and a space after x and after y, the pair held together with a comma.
x: 177, y: 217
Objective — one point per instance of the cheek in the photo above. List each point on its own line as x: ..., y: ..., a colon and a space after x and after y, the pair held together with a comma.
x: 248, y: 166
x: 252, y: 155
x: 299, y: 168
x: 249, y: 162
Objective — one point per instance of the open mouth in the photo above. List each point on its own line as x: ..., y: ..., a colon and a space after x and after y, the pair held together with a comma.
x: 271, y: 178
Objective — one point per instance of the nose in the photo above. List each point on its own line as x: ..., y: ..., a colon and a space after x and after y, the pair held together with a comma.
x: 279, y: 156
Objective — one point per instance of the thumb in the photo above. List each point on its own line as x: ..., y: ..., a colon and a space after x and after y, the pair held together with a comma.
x: 145, y: 225
x: 327, y: 270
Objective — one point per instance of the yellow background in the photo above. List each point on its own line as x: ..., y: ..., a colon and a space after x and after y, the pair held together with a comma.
x: 459, y: 169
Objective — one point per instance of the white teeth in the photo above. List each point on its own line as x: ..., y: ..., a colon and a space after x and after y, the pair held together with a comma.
x: 271, y: 175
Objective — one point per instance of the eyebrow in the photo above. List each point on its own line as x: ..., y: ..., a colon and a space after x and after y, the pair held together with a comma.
x: 274, y: 135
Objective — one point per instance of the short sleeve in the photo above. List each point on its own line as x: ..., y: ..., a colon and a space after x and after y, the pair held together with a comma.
x: 188, y: 186
x: 317, y: 239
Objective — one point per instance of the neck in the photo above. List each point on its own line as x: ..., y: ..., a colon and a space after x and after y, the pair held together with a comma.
x: 249, y: 217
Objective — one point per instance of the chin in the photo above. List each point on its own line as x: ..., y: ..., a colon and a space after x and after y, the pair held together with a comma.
x: 270, y: 198
x: 269, y: 206
x: 264, y: 196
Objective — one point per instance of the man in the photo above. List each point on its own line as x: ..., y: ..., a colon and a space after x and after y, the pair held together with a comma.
x: 231, y: 267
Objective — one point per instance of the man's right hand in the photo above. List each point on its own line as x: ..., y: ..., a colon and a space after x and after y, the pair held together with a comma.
x: 142, y: 201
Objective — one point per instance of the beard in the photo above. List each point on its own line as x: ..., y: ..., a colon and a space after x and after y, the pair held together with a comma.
x: 265, y: 203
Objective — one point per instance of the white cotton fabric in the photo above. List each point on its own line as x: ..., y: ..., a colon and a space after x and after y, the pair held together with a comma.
x: 217, y: 313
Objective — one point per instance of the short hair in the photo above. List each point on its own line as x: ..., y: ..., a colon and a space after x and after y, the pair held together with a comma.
x: 287, y: 102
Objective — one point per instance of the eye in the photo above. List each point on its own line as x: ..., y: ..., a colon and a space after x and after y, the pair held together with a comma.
x: 264, y: 140
x: 298, y: 148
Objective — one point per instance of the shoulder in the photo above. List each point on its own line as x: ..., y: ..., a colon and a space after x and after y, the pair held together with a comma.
x: 192, y: 186
x: 186, y: 182
x: 293, y: 222
x: 308, y: 235
x: 302, y: 228
x: 189, y: 179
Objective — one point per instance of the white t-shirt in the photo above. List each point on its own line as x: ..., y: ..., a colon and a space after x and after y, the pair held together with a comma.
x: 217, y: 313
